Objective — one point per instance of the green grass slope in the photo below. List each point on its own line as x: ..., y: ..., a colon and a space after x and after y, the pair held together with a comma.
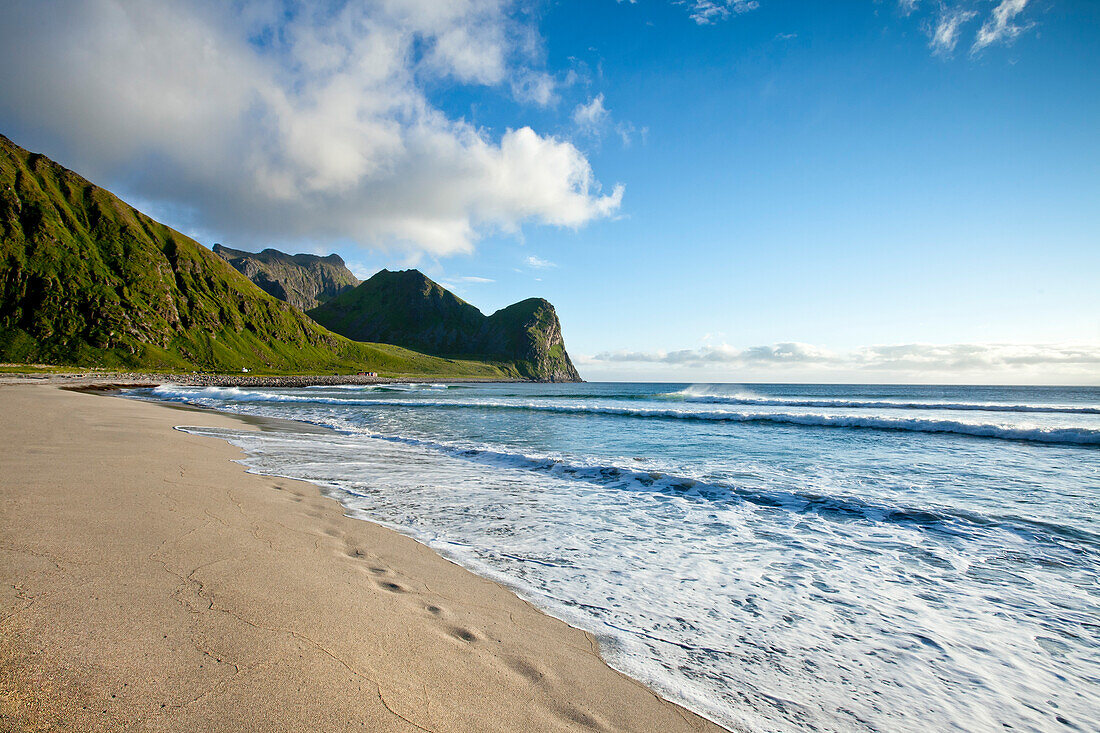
x: 405, y: 308
x: 409, y: 309
x: 87, y: 280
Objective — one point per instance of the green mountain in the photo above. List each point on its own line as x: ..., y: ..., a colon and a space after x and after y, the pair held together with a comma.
x: 403, y: 308
x: 85, y: 279
x: 409, y: 309
x: 305, y: 281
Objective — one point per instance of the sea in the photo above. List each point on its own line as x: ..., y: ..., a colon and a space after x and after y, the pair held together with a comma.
x: 775, y: 557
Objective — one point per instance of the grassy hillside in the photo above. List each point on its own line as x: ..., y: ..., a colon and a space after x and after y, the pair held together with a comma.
x: 405, y: 308
x: 85, y: 279
x: 409, y: 309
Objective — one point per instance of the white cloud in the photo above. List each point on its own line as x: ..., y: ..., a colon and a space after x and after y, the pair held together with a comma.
x: 594, y: 118
x: 538, y: 262
x: 361, y: 270
x: 273, y: 121
x: 1043, y: 362
x: 591, y: 117
x: 945, y: 33
x: 908, y: 6
x: 475, y: 279
x: 1000, y: 27
x: 706, y: 12
x: 535, y: 87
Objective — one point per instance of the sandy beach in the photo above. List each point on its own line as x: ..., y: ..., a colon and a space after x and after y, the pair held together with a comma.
x: 151, y: 584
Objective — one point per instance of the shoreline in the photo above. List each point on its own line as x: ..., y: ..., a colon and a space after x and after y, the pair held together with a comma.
x: 108, y: 379
x: 313, y: 620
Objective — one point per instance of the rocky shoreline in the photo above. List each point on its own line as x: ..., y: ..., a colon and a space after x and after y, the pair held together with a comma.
x: 110, y: 380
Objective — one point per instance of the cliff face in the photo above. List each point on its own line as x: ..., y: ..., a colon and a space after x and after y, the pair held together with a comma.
x: 408, y: 309
x: 305, y: 281
x: 531, y: 334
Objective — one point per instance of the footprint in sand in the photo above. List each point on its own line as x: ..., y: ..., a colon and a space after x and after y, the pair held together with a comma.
x: 526, y: 669
x: 581, y: 718
x: 463, y: 634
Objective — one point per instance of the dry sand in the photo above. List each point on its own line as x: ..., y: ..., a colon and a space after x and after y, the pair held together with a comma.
x: 149, y: 583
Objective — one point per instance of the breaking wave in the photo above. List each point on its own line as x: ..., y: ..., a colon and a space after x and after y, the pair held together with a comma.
x: 696, y: 396
x: 1058, y: 435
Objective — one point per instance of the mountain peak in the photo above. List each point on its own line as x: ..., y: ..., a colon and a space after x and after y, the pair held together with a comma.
x: 303, y: 280
x: 407, y: 308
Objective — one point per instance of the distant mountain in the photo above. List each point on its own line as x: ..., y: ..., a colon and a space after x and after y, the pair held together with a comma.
x: 86, y: 279
x: 409, y: 309
x: 304, y: 281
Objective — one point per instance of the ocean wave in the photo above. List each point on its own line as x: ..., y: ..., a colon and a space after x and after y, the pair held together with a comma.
x: 395, y: 387
x: 877, y: 404
x: 1055, y: 435
x: 941, y: 520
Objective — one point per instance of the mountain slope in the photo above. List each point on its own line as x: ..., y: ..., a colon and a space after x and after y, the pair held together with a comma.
x: 530, y: 333
x: 86, y: 279
x: 409, y: 309
x: 305, y: 281
x: 403, y: 308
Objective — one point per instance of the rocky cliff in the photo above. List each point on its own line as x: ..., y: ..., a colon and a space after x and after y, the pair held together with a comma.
x: 305, y: 281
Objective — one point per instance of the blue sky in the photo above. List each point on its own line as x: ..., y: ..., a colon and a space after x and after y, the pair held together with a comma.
x: 706, y: 190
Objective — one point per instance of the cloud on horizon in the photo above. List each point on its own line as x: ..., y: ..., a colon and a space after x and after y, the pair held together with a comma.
x: 1060, y: 360
x: 272, y: 120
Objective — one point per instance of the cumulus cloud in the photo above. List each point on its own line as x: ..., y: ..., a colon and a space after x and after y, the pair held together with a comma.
x: 910, y: 359
x: 274, y: 120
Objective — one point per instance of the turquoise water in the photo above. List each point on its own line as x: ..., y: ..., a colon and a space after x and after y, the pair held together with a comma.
x: 775, y: 557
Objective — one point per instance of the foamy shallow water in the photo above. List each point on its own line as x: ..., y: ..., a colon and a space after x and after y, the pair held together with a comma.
x: 859, y: 563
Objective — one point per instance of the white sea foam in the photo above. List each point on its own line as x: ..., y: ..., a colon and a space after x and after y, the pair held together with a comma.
x: 770, y: 577
x: 707, y: 395
x: 1076, y: 435
x: 761, y: 616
